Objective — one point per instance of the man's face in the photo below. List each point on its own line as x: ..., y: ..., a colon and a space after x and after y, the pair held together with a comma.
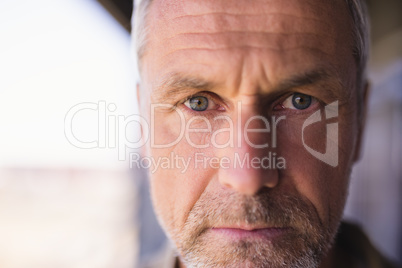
x: 248, y: 75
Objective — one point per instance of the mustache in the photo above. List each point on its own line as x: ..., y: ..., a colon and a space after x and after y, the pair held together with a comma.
x: 267, y: 208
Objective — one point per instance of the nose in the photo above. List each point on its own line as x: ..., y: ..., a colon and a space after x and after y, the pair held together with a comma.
x: 251, y: 164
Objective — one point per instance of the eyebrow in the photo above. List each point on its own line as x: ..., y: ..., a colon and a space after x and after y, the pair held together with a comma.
x: 177, y: 84
x: 333, y: 88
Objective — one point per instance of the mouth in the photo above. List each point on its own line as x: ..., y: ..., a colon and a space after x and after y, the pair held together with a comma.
x: 236, y: 233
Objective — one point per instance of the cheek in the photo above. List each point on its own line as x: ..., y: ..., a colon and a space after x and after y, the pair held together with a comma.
x: 178, y: 176
x: 323, y: 185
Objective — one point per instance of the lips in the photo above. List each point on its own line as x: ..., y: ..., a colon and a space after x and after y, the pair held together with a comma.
x: 250, y: 233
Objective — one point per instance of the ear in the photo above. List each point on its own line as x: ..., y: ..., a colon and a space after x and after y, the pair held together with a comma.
x: 362, y: 121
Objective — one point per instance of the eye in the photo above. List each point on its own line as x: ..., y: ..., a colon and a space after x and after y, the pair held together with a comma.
x: 197, y: 103
x: 297, y: 101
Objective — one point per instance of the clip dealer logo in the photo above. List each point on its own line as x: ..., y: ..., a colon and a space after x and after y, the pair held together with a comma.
x: 113, y: 130
x: 331, y: 153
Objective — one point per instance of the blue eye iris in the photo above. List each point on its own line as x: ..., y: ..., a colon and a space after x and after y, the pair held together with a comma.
x: 301, y: 101
x: 198, y: 103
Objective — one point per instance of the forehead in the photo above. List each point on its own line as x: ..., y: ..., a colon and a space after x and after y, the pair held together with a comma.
x: 267, y: 38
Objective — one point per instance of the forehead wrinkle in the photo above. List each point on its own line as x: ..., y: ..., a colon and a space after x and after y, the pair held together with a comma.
x: 243, y: 15
x: 226, y: 36
x: 245, y: 48
x: 285, y: 33
x: 243, y: 40
x: 258, y: 23
x: 179, y: 8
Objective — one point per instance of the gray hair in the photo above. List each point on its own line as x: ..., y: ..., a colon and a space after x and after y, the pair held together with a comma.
x: 357, y: 9
x: 139, y: 30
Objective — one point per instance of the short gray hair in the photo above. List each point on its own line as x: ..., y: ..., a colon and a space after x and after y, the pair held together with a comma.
x: 357, y: 9
x: 139, y: 28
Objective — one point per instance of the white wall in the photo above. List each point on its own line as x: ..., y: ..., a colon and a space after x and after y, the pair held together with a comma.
x: 54, y: 55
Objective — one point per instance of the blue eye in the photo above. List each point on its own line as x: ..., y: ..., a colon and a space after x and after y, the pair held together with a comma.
x: 197, y: 103
x: 297, y: 101
x: 301, y: 101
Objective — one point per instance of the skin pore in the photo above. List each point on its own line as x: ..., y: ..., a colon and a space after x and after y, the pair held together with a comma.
x: 246, y: 61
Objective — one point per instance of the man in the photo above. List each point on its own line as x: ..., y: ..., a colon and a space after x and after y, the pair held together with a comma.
x: 256, y: 111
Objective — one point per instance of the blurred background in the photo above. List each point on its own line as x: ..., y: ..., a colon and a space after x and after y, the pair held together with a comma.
x: 65, y: 206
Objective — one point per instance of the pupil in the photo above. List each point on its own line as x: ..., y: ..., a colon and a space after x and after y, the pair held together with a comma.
x: 199, y: 103
x: 301, y: 101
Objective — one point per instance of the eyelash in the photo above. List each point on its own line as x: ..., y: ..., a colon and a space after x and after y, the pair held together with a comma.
x: 206, y: 95
x: 316, y: 103
x: 275, y: 104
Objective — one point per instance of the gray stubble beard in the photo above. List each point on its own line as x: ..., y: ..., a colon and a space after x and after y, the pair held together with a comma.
x: 304, y: 246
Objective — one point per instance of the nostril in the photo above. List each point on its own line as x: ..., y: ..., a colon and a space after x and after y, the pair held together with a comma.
x: 248, y: 181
